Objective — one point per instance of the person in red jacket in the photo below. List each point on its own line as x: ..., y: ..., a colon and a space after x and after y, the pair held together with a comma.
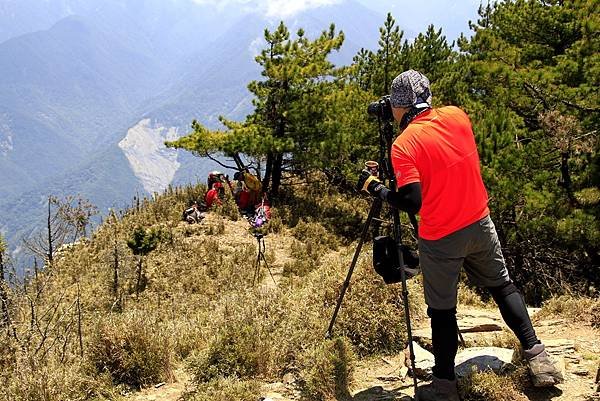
x: 437, y: 171
x: 213, y: 196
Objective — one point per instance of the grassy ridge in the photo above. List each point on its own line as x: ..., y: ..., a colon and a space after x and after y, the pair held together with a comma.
x: 198, y: 307
x: 77, y: 333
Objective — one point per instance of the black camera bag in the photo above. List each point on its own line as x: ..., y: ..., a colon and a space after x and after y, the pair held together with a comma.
x: 386, y: 261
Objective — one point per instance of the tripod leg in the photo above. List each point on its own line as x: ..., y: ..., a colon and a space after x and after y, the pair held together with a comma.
x: 397, y: 237
x: 268, y: 268
x: 256, y: 267
x: 365, y: 231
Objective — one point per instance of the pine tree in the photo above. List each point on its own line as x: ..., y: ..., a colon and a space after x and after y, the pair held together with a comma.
x: 141, y: 243
x: 530, y: 69
x: 283, y: 130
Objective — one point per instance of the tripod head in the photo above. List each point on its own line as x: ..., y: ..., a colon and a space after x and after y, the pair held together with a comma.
x: 386, y: 139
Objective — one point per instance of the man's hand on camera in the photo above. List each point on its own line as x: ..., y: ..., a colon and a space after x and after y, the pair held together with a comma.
x: 370, y: 184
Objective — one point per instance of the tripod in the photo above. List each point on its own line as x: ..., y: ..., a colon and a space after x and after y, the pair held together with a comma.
x: 386, y: 134
x: 260, y: 238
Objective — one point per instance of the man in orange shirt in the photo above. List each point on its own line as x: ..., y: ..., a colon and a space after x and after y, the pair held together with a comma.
x: 437, y: 171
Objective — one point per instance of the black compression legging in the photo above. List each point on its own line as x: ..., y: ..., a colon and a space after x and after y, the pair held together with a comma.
x: 444, y: 328
x: 444, y: 339
x: 514, y: 312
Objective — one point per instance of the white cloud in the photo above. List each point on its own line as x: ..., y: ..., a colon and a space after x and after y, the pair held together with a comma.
x: 287, y: 8
x: 256, y: 46
x: 273, y: 8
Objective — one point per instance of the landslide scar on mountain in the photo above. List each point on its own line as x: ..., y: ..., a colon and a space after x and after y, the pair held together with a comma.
x: 150, y: 160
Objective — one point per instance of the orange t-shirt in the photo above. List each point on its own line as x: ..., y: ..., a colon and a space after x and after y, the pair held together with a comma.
x: 438, y: 150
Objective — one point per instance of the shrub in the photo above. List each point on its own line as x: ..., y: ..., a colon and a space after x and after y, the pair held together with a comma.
x: 236, y: 352
x: 315, y: 233
x: 132, y: 350
x: 225, y: 389
x: 306, y: 258
x: 326, y: 371
x: 502, y: 339
x: 228, y: 207
x: 275, y: 224
x: 340, y: 214
x: 468, y: 296
x: 372, y: 315
x: 53, y: 380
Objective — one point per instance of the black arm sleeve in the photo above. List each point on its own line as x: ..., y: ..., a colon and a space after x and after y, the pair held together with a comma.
x: 407, y: 198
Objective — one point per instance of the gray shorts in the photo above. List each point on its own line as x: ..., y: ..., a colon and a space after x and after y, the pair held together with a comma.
x: 476, y: 247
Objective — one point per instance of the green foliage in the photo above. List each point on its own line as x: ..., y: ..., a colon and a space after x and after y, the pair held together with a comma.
x: 288, y: 106
x: 528, y: 78
x: 143, y: 241
x: 527, y: 74
x: 326, y: 371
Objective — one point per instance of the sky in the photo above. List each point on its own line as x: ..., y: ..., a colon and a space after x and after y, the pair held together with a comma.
x: 451, y: 15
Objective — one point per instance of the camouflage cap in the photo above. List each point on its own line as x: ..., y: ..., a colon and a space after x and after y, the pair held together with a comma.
x: 411, y: 88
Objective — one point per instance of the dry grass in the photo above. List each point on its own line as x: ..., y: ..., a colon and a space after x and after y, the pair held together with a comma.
x: 502, y: 339
x: 199, y: 306
x: 572, y: 308
x: 468, y: 296
x: 225, y: 390
x: 488, y: 386
x: 132, y: 349
x: 326, y: 371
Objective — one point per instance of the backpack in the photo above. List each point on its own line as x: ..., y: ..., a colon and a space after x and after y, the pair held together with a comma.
x: 252, y: 182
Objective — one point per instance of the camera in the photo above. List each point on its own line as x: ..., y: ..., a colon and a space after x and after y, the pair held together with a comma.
x: 381, y: 109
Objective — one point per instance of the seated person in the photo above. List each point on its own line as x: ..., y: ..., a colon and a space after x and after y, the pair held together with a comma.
x: 193, y: 214
x: 214, y: 195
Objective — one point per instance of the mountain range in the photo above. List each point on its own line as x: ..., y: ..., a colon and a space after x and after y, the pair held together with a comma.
x: 90, y: 90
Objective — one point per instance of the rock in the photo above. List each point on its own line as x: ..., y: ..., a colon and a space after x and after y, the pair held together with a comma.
x: 482, y: 359
x: 424, y: 361
x: 422, y: 333
x: 481, y: 328
x: 387, y: 361
x: 560, y: 347
x: 580, y: 371
x: 289, y: 378
x: 389, y: 378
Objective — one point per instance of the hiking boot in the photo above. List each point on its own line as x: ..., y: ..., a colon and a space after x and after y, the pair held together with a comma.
x: 438, y: 390
x: 544, y: 371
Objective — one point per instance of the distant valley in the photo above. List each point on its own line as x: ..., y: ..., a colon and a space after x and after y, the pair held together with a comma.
x: 89, y: 91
